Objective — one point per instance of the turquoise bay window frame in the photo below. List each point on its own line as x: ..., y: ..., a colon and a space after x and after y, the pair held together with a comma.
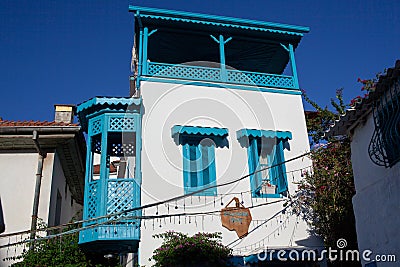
x: 199, y: 169
x: 106, y: 120
x: 272, y: 142
x: 277, y: 173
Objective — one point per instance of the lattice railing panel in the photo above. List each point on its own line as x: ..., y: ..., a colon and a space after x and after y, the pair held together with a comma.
x: 121, y: 196
x: 214, y: 74
x: 96, y: 126
x: 121, y: 124
x: 122, y: 150
x: 185, y: 72
x: 96, y: 146
x: 92, y: 200
x: 260, y: 79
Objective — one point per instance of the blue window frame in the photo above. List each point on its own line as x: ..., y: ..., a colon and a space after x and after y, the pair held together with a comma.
x: 199, y: 168
x: 198, y: 149
x: 266, y: 149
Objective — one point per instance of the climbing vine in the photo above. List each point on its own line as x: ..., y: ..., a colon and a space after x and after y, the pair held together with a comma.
x: 325, y: 194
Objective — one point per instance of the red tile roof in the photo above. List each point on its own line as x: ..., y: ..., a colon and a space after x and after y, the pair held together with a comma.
x: 113, y: 168
x: 8, y: 123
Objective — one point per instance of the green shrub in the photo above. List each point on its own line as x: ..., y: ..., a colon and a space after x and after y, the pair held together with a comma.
x: 201, y: 249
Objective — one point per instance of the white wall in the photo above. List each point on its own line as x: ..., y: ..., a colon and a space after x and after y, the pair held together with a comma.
x: 60, y: 184
x: 167, y: 105
x: 17, y: 187
x: 377, y: 199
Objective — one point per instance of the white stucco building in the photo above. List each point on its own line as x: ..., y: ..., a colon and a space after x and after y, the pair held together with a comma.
x: 214, y: 100
x: 373, y: 126
x: 42, y: 166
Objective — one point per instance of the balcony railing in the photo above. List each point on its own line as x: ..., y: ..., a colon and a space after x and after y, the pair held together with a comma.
x: 122, y: 194
x: 198, y: 73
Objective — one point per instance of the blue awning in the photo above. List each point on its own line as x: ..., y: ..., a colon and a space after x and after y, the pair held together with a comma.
x: 193, y: 135
x: 113, y: 104
x: 109, y: 101
x: 263, y: 133
x: 198, y: 130
x: 147, y: 14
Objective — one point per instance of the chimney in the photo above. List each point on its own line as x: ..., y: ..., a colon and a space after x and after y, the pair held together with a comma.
x: 64, y: 113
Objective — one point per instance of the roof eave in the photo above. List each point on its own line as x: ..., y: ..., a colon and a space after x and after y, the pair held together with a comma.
x: 349, y: 120
x: 157, y: 13
x: 69, y: 143
x: 40, y: 129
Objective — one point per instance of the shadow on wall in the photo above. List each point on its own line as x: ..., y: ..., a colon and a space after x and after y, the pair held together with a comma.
x: 2, y: 224
x: 312, y: 241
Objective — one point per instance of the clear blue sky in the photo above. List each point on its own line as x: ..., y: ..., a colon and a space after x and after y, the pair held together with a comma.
x: 68, y: 51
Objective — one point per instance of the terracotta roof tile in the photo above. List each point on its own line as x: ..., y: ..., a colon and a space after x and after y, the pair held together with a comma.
x: 9, y: 123
x: 113, y: 168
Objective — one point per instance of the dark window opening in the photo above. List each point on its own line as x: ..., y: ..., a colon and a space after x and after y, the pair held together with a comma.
x: 57, y: 217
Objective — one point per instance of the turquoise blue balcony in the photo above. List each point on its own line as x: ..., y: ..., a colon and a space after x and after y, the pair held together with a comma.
x: 113, y: 175
x: 181, y: 47
x: 197, y: 73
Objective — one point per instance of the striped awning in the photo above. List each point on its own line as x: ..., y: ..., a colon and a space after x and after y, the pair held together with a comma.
x: 198, y: 130
x: 194, y: 135
x: 263, y: 133
x: 113, y: 104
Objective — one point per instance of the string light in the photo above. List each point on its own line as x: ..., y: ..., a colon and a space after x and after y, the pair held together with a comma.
x: 265, y: 222
x: 153, y: 218
x: 143, y: 208
x: 153, y: 204
x: 257, y: 244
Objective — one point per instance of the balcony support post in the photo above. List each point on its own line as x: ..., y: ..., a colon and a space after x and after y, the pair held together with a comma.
x: 222, y: 58
x: 222, y: 42
x: 104, y: 167
x: 89, y: 169
x: 140, y: 61
x: 293, y: 66
x: 138, y: 172
x: 144, y: 58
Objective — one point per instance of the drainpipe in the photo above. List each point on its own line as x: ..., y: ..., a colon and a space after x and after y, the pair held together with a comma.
x: 42, y: 155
